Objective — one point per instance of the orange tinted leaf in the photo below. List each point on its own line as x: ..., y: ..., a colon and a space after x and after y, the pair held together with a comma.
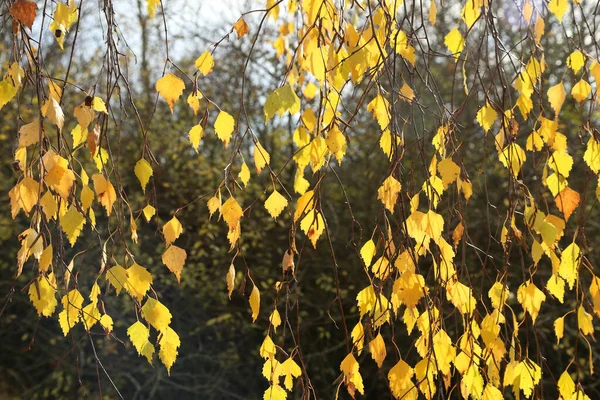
x: 24, y: 11
x: 567, y: 202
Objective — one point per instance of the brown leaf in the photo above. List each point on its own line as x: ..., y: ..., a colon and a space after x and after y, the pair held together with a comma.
x: 24, y: 11
x: 92, y: 139
x: 567, y: 202
x: 241, y: 27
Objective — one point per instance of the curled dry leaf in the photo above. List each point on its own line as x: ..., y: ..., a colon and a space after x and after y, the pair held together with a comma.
x: 288, y: 261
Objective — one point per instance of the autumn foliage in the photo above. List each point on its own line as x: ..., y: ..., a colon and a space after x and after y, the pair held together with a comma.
x: 480, y: 121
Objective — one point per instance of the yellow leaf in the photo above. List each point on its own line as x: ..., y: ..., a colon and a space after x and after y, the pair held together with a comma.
x: 380, y: 108
x: 304, y: 205
x: 151, y: 7
x: 117, y: 277
x: 433, y: 188
x: 149, y: 212
x: 244, y: 174
x: 172, y: 230
x: 486, y: 116
x: 388, y: 193
x: 352, y: 377
x: 592, y: 155
x: 310, y: 91
x: 241, y: 27
x: 566, y: 386
x: 561, y: 162
x: 455, y: 42
x: 492, y: 393
x: 403, y: 48
x: 24, y: 196
x: 139, y: 334
x: 315, y: 63
x: 432, y: 13
x: 358, y: 337
x: 407, y: 93
x: 377, y: 349
x: 231, y: 212
x: 195, y: 135
x: 449, y: 171
x: 556, y: 287
x: 170, y: 87
x: 526, y: 375
x: 558, y: 8
x: 138, y: 281
x: 255, y: 302
x: 156, y: 314
x: 224, y: 126
x: 87, y: 197
x: 169, y: 343
x: 400, y: 378
x: 45, y: 260
x: 261, y: 157
x: 513, y: 157
x: 107, y: 322
x: 367, y: 252
x: 539, y: 28
x: 581, y: 90
x: 498, y: 294
x: 291, y: 370
x: 381, y: 268
x: 313, y: 226
x: 318, y: 151
x: 71, y: 313
x: 556, y: 183
x: 275, y: 204
x: 51, y: 110
x: 336, y: 143
x: 471, y: 12
x: 275, y: 319
x: 559, y: 328
x: 301, y: 185
x: 143, y: 171
x: 531, y: 299
x: 272, y: 369
x: 7, y: 92
x: 59, y: 177
x: 94, y: 293
x: 461, y: 296
x: 98, y: 105
x: 193, y: 101
x: 408, y: 289
x: 84, y: 114
x: 205, y: 63
x: 281, y: 100
x: 576, y: 61
x: 72, y: 223
x: 365, y: 300
x: 275, y: 392
x: 556, y: 97
x: 91, y: 315
x: 105, y: 192
x: 174, y: 258
x: 42, y: 294
x: 472, y: 383
x: 30, y: 133
x: 585, y: 321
